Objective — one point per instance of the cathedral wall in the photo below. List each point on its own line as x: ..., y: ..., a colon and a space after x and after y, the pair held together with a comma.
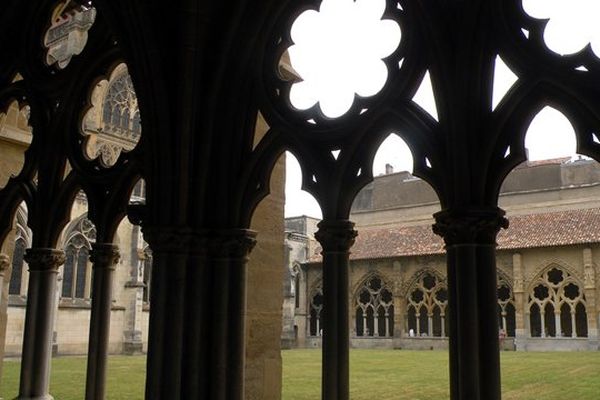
x: 265, y: 293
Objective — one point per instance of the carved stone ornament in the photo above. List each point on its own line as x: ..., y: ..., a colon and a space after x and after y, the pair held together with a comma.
x: 44, y: 259
x: 175, y: 239
x: 4, y: 262
x: 472, y: 227
x: 232, y: 243
x: 214, y: 243
x: 104, y: 255
x: 336, y: 235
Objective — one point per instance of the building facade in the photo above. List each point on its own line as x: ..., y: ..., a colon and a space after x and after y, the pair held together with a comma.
x: 546, y: 261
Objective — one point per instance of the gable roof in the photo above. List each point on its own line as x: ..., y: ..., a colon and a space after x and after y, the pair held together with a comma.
x: 525, y: 231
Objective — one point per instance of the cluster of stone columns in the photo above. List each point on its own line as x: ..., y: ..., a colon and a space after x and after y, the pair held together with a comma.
x: 39, y: 321
x: 196, y: 344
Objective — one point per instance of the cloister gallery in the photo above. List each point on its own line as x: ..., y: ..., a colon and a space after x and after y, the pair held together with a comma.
x: 126, y: 123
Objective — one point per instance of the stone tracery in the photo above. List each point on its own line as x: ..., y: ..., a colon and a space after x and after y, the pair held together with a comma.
x: 78, y: 243
x: 427, y: 301
x: 557, y: 306
x: 113, y: 124
x: 374, y: 308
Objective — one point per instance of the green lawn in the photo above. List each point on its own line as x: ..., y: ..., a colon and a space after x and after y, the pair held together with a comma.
x: 375, y: 374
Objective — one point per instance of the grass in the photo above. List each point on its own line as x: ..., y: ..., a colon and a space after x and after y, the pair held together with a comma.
x: 423, y: 375
x: 380, y: 374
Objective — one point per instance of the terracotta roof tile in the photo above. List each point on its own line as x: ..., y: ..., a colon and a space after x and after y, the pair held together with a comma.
x: 525, y: 231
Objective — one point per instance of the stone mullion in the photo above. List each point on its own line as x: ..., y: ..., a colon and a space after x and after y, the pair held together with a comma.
x: 39, y: 321
x: 196, y: 347
x: 104, y: 257
x: 472, y: 297
x: 336, y: 237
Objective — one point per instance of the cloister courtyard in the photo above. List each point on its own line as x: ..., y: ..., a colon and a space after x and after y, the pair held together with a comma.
x: 380, y: 374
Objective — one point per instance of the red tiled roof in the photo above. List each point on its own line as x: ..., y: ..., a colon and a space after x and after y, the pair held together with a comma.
x: 525, y: 231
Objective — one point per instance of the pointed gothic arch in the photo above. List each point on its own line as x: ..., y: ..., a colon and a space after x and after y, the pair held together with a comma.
x: 373, y: 303
x: 556, y: 304
x: 426, y: 304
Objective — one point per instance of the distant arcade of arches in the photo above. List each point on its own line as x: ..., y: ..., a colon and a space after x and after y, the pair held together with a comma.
x: 555, y: 292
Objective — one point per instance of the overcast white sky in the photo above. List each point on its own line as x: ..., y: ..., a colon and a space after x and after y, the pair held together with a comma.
x: 338, y: 52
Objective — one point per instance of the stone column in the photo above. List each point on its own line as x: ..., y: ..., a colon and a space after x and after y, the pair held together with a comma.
x: 104, y: 257
x: 196, y: 346
x: 589, y: 285
x: 39, y: 319
x: 521, y: 331
x: 470, y: 237
x: 336, y: 237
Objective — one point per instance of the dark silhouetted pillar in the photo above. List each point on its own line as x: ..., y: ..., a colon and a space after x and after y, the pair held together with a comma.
x: 470, y: 238
x: 336, y: 237
x: 104, y: 257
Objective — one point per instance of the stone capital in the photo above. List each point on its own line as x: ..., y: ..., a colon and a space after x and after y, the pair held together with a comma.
x: 234, y: 243
x: 42, y: 259
x: 336, y: 235
x: 104, y: 255
x: 472, y: 226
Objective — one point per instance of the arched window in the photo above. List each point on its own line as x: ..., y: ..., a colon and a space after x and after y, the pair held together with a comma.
x: 120, y: 113
x: 557, y: 306
x: 426, y: 306
x: 75, y: 270
x: 374, y: 309
x: 506, y: 307
x: 315, y: 322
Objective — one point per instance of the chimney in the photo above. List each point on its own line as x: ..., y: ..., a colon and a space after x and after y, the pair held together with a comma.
x: 389, y: 169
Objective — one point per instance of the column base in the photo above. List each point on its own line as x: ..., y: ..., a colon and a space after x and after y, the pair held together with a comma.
x: 521, y: 340
x: 133, y: 343
x: 44, y: 397
x: 132, y: 349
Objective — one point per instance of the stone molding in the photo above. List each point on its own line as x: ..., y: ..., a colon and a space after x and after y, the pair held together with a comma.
x: 474, y: 226
x: 104, y: 255
x: 336, y: 235
x: 43, y: 259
